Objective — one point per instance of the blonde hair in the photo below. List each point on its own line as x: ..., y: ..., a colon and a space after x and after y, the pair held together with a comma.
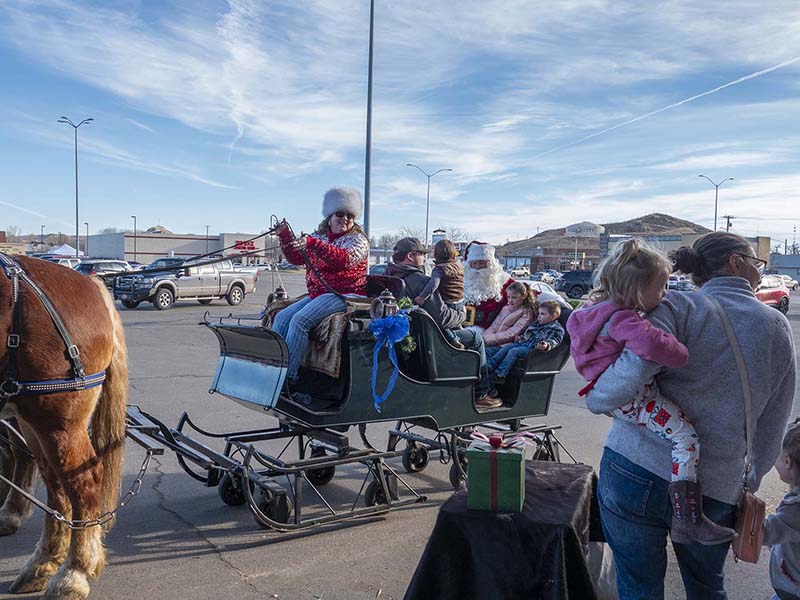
x: 528, y: 295
x: 627, y: 271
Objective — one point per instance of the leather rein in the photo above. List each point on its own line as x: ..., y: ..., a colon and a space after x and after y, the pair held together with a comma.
x: 10, y: 385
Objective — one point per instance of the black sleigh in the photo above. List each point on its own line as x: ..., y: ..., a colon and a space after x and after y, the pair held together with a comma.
x: 431, y: 406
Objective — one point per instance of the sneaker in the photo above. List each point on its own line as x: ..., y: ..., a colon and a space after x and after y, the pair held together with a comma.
x: 486, y: 401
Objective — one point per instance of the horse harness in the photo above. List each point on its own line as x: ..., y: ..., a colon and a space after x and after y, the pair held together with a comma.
x: 10, y: 385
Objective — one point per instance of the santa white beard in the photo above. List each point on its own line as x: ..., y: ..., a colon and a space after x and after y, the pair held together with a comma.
x: 484, y: 284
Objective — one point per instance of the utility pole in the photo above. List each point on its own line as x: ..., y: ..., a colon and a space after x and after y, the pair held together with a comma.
x: 728, y: 221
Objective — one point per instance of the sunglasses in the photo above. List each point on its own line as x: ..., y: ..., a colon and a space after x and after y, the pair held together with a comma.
x: 760, y: 263
x: 342, y: 214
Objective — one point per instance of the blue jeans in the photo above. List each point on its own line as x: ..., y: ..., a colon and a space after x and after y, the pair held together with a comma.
x: 504, y: 357
x: 295, y: 321
x: 636, y: 515
x: 473, y: 340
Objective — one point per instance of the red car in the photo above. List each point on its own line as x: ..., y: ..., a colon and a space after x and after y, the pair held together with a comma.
x: 773, y: 291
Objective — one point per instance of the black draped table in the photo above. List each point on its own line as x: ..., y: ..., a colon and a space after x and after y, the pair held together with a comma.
x: 539, y: 553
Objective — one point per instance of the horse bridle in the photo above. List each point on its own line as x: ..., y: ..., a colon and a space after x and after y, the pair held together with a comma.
x: 10, y: 385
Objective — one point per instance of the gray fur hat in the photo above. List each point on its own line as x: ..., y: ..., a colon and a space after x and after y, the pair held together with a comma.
x: 341, y: 198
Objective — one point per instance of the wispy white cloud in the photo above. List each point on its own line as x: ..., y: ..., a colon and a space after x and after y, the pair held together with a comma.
x: 507, y: 93
x: 136, y: 123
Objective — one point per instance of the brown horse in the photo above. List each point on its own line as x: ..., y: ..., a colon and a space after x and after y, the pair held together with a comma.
x: 82, y: 473
x: 17, y: 466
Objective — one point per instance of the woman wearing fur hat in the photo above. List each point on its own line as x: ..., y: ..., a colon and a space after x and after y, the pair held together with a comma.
x: 338, y: 250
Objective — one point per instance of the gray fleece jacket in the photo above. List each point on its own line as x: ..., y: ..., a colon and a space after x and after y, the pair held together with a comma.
x: 782, y: 532
x: 707, y: 389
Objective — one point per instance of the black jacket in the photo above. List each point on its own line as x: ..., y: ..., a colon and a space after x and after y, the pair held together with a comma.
x: 416, y: 280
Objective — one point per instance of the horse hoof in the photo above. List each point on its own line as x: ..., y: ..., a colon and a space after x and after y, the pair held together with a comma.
x: 68, y: 584
x: 28, y: 584
x: 9, y: 524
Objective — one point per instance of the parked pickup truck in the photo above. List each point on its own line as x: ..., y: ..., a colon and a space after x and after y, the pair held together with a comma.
x: 203, y: 283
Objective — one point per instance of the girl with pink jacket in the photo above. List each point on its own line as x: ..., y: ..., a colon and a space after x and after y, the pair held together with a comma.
x: 514, y: 317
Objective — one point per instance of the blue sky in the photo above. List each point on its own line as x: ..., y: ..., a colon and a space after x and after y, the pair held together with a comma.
x: 223, y: 113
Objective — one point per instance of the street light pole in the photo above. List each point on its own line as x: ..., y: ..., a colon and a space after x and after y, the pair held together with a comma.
x: 716, y: 195
x: 41, y: 237
x: 64, y: 119
x: 207, y: 239
x: 86, y: 243
x: 428, y: 197
x: 134, y: 237
x: 368, y: 152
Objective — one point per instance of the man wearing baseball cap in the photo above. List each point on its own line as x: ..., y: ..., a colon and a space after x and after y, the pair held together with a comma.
x: 408, y: 263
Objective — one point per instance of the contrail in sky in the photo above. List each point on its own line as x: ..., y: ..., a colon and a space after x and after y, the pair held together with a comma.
x: 30, y: 212
x: 685, y: 101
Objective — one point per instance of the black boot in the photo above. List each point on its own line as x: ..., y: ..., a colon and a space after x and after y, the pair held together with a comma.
x: 689, y: 524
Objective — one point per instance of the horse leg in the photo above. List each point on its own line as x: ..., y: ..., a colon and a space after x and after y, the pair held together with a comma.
x: 18, y: 467
x: 51, y: 550
x: 81, y: 474
x: 16, y: 507
x: 6, y: 468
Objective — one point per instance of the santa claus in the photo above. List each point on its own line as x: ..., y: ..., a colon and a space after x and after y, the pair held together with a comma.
x: 485, y: 283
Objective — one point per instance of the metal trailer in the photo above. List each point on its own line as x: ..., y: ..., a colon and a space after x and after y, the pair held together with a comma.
x: 431, y: 403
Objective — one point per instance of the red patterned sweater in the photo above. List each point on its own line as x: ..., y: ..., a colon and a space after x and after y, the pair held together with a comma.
x: 340, y: 259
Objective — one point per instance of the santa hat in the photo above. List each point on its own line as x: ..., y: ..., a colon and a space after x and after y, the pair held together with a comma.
x: 341, y: 198
x: 480, y: 251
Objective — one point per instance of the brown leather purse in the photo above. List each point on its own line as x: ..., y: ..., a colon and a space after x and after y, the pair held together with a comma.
x: 750, y: 509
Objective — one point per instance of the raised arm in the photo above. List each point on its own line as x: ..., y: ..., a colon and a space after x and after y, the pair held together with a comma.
x: 431, y: 287
x: 286, y: 238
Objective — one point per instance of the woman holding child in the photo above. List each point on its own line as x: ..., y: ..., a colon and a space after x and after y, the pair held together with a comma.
x: 637, y: 470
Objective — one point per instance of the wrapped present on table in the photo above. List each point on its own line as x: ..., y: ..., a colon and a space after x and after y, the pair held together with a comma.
x: 496, y: 474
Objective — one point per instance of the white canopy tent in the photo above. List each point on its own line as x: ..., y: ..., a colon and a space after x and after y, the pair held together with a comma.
x: 64, y: 250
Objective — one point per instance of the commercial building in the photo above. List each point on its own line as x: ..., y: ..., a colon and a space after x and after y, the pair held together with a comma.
x: 156, y: 242
x: 785, y: 264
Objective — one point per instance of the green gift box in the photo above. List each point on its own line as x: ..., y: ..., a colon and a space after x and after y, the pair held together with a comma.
x: 496, y: 476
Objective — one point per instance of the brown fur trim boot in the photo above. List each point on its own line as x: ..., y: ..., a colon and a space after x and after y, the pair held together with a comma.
x: 689, y: 524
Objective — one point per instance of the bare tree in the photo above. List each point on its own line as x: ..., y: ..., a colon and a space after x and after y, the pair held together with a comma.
x: 13, y: 233
x: 457, y: 234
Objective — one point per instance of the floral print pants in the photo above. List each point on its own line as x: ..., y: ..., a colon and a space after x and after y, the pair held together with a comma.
x: 664, y: 418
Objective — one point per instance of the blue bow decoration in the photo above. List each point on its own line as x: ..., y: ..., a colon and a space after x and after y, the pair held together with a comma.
x: 387, y: 331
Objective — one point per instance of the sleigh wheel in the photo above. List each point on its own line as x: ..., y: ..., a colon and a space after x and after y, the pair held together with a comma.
x: 230, y: 490
x: 374, y: 493
x: 320, y: 475
x: 276, y: 507
x: 415, y: 458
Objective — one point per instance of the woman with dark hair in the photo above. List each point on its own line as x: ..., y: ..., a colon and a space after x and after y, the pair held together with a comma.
x: 338, y: 252
x: 636, y: 468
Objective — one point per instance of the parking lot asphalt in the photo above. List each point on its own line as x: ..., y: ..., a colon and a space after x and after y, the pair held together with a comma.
x: 178, y: 540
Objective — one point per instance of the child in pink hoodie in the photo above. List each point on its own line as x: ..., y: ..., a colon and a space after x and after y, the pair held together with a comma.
x: 630, y: 283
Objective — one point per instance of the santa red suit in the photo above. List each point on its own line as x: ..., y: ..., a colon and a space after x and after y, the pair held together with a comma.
x: 485, y: 289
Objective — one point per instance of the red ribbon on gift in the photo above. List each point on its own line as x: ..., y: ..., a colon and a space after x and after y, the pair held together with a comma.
x: 498, y: 441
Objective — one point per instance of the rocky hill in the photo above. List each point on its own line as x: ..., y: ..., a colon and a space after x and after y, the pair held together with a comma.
x: 655, y: 224
x: 652, y: 224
